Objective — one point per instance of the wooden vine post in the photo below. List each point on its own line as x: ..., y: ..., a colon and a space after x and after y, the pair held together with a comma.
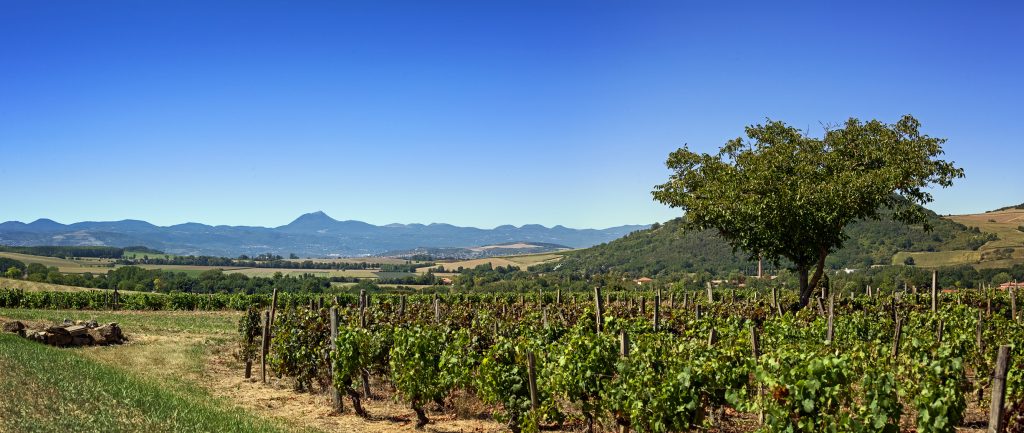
x: 1013, y: 302
x: 977, y: 333
x: 335, y: 392
x: 896, y: 338
x: 362, y: 308
x: 996, y: 416
x: 401, y: 306
x: 711, y: 294
x: 988, y: 303
x: 623, y: 343
x: 657, y: 311
x: 935, y: 291
x: 532, y: 376
x: 266, y: 346
x: 831, y: 318
x: 599, y: 309
x: 755, y: 349
x: 364, y: 300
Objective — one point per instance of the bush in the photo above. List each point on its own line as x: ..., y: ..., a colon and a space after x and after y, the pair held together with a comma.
x: 298, y: 347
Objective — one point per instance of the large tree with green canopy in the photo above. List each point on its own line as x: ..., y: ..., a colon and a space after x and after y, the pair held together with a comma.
x: 782, y: 194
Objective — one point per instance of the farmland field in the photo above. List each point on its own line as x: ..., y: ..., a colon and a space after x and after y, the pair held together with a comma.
x: 522, y: 262
x: 1004, y: 252
x: 79, y: 266
x: 32, y: 286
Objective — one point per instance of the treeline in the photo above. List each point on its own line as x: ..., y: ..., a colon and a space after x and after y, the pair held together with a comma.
x: 277, y: 262
x: 105, y: 300
x: 139, y: 279
x: 67, y: 251
x: 963, y: 276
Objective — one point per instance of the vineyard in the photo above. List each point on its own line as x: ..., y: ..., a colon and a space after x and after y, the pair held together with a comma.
x: 657, y: 362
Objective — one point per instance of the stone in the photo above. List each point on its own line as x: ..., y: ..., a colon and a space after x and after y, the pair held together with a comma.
x: 57, y: 330
x: 97, y: 338
x: 14, y: 326
x: 111, y: 333
x: 77, y: 330
x: 58, y: 339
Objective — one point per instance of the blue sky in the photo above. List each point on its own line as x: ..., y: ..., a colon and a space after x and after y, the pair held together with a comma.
x: 473, y: 113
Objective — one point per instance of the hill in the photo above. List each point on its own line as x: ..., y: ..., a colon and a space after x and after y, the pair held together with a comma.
x: 1007, y: 224
x: 669, y: 249
x: 311, y: 235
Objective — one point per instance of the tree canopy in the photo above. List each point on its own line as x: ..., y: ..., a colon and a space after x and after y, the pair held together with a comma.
x: 781, y: 193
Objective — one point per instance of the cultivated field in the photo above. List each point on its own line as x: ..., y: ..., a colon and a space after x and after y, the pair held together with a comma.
x: 78, y: 266
x: 522, y: 262
x: 32, y: 286
x: 994, y: 254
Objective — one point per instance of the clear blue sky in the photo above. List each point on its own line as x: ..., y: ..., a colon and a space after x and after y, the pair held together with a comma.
x: 473, y: 113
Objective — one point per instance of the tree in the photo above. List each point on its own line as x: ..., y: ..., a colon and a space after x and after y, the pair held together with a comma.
x: 782, y: 194
x: 13, y: 272
x: 1001, y: 278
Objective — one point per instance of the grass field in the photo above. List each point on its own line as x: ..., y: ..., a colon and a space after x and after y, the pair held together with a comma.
x: 79, y: 266
x: 1003, y: 223
x: 522, y: 262
x: 208, y: 323
x: 32, y: 286
x: 152, y: 383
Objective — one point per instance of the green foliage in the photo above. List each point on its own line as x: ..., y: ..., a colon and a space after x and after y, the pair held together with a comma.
x: 939, y: 399
x: 67, y: 251
x: 7, y: 263
x: 12, y: 272
x: 807, y: 391
x: 653, y: 391
x: 298, y: 347
x: 250, y: 330
x: 583, y: 364
x: 783, y: 194
x: 503, y: 379
x: 416, y: 367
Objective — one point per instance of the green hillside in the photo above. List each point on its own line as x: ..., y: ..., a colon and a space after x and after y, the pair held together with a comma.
x: 669, y: 249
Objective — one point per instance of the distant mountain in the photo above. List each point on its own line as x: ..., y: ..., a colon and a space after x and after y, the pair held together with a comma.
x: 669, y: 249
x: 314, y: 235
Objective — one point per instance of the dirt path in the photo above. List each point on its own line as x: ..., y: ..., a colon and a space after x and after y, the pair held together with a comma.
x: 313, y: 410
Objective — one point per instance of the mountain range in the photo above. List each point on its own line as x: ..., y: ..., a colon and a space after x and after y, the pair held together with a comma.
x: 311, y: 235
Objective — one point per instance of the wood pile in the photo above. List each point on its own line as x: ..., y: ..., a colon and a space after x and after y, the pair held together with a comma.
x: 70, y: 334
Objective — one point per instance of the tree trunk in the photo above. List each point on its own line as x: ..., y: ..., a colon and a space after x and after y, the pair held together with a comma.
x: 421, y: 416
x: 807, y: 285
x: 805, y: 288
x: 356, y: 402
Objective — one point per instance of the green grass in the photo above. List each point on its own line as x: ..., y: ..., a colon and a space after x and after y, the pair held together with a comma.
x: 147, y: 322
x: 47, y: 389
